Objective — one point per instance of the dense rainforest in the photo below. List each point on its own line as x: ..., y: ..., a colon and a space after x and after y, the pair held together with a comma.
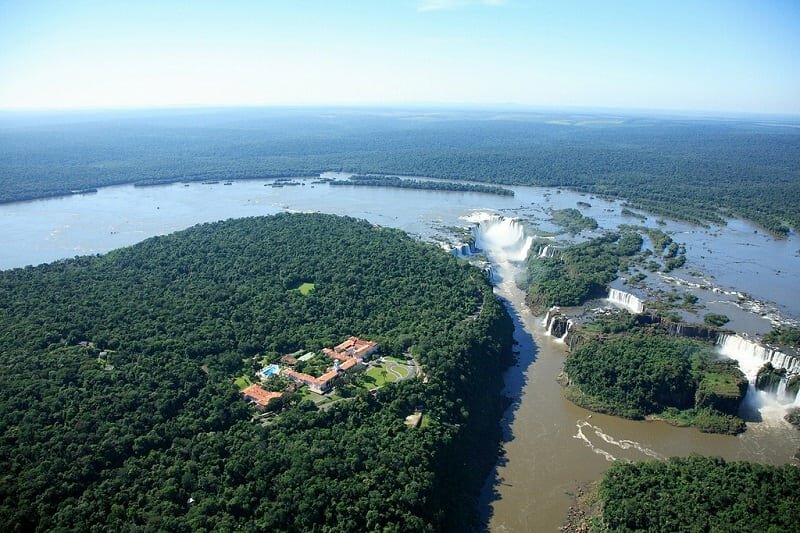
x: 699, y: 494
x: 699, y: 170
x: 118, y: 408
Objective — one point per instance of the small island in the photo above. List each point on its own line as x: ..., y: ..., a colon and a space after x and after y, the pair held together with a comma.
x: 368, y: 180
x: 572, y: 220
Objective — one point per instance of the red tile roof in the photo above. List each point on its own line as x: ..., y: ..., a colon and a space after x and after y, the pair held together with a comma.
x: 355, y: 347
x: 260, y: 396
x: 348, y: 355
x: 302, y: 377
x: 347, y: 365
x: 326, y: 377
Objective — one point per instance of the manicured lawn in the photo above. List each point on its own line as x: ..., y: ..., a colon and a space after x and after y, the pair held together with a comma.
x: 306, y: 288
x: 402, y: 370
x: 243, y: 382
x: 426, y: 421
x: 374, y: 377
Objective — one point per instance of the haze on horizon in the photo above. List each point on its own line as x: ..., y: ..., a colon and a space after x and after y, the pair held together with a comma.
x: 717, y: 56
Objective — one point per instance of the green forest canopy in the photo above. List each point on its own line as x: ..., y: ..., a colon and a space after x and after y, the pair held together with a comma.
x: 696, y: 170
x: 700, y: 494
x: 155, y: 435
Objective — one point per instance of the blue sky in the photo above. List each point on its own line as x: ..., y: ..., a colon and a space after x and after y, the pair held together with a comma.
x: 731, y: 56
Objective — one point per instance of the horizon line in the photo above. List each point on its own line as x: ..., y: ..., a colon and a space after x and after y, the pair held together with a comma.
x: 465, y: 106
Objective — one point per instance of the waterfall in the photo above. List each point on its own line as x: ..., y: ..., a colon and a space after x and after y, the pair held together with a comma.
x: 563, y: 337
x: 781, y: 392
x: 502, y: 237
x: 739, y: 348
x: 751, y: 356
x: 626, y: 300
x: 462, y: 250
x: 549, y: 251
x: 556, y: 324
x: 546, y: 320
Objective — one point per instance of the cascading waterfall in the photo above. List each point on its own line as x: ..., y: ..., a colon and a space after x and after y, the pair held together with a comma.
x: 563, y: 337
x: 781, y: 392
x: 549, y: 251
x: 548, y: 317
x: 751, y: 356
x: 626, y: 300
x: 462, y: 250
x: 737, y: 347
x: 556, y: 324
x: 503, y: 237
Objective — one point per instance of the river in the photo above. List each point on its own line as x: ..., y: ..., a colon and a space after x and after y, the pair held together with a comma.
x: 552, y: 447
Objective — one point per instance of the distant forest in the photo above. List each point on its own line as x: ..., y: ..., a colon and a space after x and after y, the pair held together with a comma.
x: 695, y: 170
x: 145, y: 429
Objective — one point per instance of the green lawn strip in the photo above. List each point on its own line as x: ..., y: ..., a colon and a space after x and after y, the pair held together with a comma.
x: 400, y: 369
x: 305, y: 288
x: 243, y: 382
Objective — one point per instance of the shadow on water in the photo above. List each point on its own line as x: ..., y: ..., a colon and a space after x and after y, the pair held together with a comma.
x: 516, y: 377
x: 750, y: 414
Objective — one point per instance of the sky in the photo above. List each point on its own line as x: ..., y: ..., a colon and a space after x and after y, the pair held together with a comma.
x: 699, y: 55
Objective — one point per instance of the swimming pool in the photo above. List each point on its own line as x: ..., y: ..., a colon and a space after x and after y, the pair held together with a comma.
x: 270, y: 370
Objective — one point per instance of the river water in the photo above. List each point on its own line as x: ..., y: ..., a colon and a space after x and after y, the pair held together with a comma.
x: 552, y: 447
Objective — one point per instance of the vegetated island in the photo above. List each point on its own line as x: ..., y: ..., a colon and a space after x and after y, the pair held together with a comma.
x: 634, y: 368
x: 120, y: 403
x: 568, y: 276
x: 700, y: 171
x: 572, y: 220
x: 367, y: 180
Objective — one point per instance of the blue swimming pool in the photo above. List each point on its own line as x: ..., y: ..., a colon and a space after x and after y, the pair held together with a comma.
x: 270, y: 370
